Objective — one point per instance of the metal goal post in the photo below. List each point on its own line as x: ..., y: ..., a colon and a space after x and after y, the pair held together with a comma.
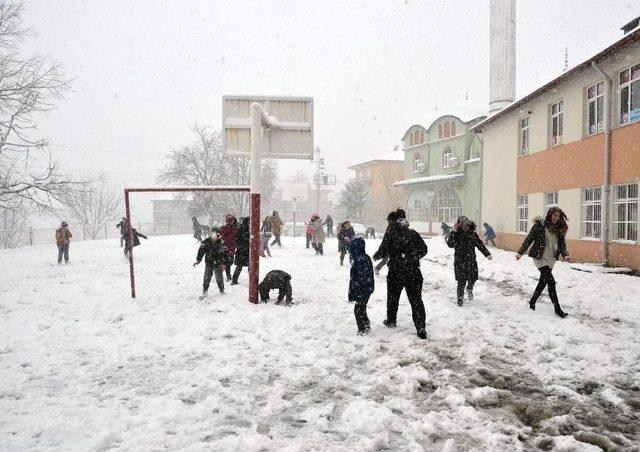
x: 253, y: 291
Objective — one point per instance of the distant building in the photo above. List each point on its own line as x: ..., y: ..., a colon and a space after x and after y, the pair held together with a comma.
x: 378, y: 175
x: 553, y: 148
x: 441, y: 173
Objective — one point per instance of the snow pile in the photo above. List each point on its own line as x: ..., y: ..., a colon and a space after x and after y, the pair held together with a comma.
x: 83, y: 367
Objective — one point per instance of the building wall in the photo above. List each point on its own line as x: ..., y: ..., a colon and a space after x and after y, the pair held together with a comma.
x: 576, y: 163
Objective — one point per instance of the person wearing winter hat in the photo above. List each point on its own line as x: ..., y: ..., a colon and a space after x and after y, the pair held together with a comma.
x: 229, y: 234
x: 345, y: 235
x: 63, y: 239
x: 464, y: 240
x: 404, y: 247
x: 547, y: 241
x: 216, y: 260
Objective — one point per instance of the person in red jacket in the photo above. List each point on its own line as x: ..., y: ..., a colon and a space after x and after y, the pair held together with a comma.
x: 229, y: 233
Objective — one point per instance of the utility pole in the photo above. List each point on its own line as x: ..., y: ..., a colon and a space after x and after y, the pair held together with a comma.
x: 321, y: 177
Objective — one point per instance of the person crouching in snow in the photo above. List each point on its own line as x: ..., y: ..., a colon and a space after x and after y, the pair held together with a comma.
x: 345, y: 235
x: 547, y: 242
x: 276, y: 279
x: 63, y: 239
x: 361, y: 283
x: 464, y: 240
x: 216, y: 260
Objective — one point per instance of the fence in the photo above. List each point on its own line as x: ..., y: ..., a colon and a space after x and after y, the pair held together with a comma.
x: 44, y: 236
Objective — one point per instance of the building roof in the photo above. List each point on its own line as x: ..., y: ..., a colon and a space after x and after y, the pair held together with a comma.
x: 394, y: 156
x: 423, y: 180
x: 466, y: 109
x: 626, y: 39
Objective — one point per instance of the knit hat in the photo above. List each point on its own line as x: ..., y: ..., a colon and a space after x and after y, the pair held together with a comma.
x: 462, y: 220
x: 64, y: 223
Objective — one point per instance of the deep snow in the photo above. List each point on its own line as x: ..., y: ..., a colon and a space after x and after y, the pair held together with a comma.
x: 83, y: 367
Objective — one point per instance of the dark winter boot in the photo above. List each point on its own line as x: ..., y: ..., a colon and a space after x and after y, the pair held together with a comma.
x: 389, y: 324
x: 422, y: 334
x: 470, y: 295
x: 558, y: 310
x: 532, y: 304
x: 460, y: 302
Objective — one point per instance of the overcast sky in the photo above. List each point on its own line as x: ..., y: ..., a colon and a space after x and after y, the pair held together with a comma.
x: 144, y: 71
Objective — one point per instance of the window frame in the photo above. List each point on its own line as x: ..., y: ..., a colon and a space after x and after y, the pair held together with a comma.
x: 522, y: 207
x: 630, y: 227
x: 417, y: 159
x: 546, y: 205
x: 522, y: 150
x: 597, y: 100
x: 446, y: 156
x: 557, y: 122
x: 591, y: 205
x: 625, y: 118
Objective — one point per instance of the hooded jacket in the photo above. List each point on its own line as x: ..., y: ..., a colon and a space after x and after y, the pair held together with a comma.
x: 465, y: 244
x: 537, y: 241
x: 215, y: 252
x: 403, y: 246
x: 229, y: 233
x: 361, y: 282
x: 276, y: 224
x: 344, y: 236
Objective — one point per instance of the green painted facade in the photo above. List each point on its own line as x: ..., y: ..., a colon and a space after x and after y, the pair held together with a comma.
x: 441, y: 172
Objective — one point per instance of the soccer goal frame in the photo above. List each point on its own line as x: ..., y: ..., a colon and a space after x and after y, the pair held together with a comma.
x: 255, y: 210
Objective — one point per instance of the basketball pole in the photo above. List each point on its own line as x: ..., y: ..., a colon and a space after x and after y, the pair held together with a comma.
x: 257, y: 117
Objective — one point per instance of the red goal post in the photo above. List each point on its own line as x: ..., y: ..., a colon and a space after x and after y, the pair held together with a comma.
x: 253, y: 291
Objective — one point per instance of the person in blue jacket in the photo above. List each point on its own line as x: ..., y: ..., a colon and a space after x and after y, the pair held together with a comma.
x: 361, y: 283
x: 489, y: 233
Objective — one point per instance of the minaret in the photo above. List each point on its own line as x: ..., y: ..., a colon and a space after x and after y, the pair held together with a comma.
x: 502, y: 54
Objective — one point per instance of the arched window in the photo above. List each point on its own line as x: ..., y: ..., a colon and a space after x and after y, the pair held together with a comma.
x: 418, y: 166
x: 417, y: 206
x: 447, y: 153
x: 411, y: 143
x: 440, y: 131
x: 453, y: 128
x: 446, y: 205
x: 422, y: 136
x: 447, y: 130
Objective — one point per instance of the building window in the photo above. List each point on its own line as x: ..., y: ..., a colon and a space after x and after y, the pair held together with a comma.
x: 418, y: 166
x: 556, y: 123
x: 591, y: 213
x: 447, y: 154
x: 421, y: 136
x: 630, y: 95
x: 447, y: 130
x: 440, y: 131
x: 625, y: 212
x: 417, y: 206
x: 550, y: 200
x: 446, y: 206
x: 453, y: 128
x: 595, y: 106
x: 522, y: 213
x: 524, y: 137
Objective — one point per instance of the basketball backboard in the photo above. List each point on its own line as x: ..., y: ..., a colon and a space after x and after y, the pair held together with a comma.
x: 289, y: 137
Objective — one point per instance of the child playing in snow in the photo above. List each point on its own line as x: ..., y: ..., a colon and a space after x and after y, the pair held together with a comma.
x: 216, y: 260
x: 361, y: 283
x: 276, y: 279
x: 465, y: 240
x: 264, y: 244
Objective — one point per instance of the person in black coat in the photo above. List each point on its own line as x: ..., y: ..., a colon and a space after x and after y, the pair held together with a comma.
x: 136, y: 239
x: 216, y: 259
x: 329, y: 223
x: 123, y: 228
x: 242, y: 249
x: 361, y: 283
x: 276, y: 279
x: 404, y: 247
x: 546, y: 243
x: 197, y: 229
x: 391, y: 221
x: 345, y: 234
x: 464, y: 240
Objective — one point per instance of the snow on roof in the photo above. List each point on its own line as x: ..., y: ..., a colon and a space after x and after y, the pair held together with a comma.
x: 626, y: 39
x: 393, y: 156
x: 422, y: 180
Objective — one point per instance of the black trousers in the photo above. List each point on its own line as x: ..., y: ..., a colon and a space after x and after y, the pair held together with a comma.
x: 360, y: 312
x: 276, y: 240
x: 209, y: 270
x: 308, y: 240
x: 461, y: 285
x: 329, y: 231
x: 411, y: 281
x: 546, y: 279
x: 318, y: 248
x: 236, y: 273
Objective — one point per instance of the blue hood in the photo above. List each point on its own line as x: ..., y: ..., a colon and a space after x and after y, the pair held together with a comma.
x: 356, y: 247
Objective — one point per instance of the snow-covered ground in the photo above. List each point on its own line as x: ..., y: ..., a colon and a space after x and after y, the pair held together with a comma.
x: 83, y: 367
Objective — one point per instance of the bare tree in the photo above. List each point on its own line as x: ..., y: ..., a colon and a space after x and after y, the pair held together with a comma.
x: 205, y: 163
x: 28, y: 86
x: 13, y: 226
x: 92, y: 207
